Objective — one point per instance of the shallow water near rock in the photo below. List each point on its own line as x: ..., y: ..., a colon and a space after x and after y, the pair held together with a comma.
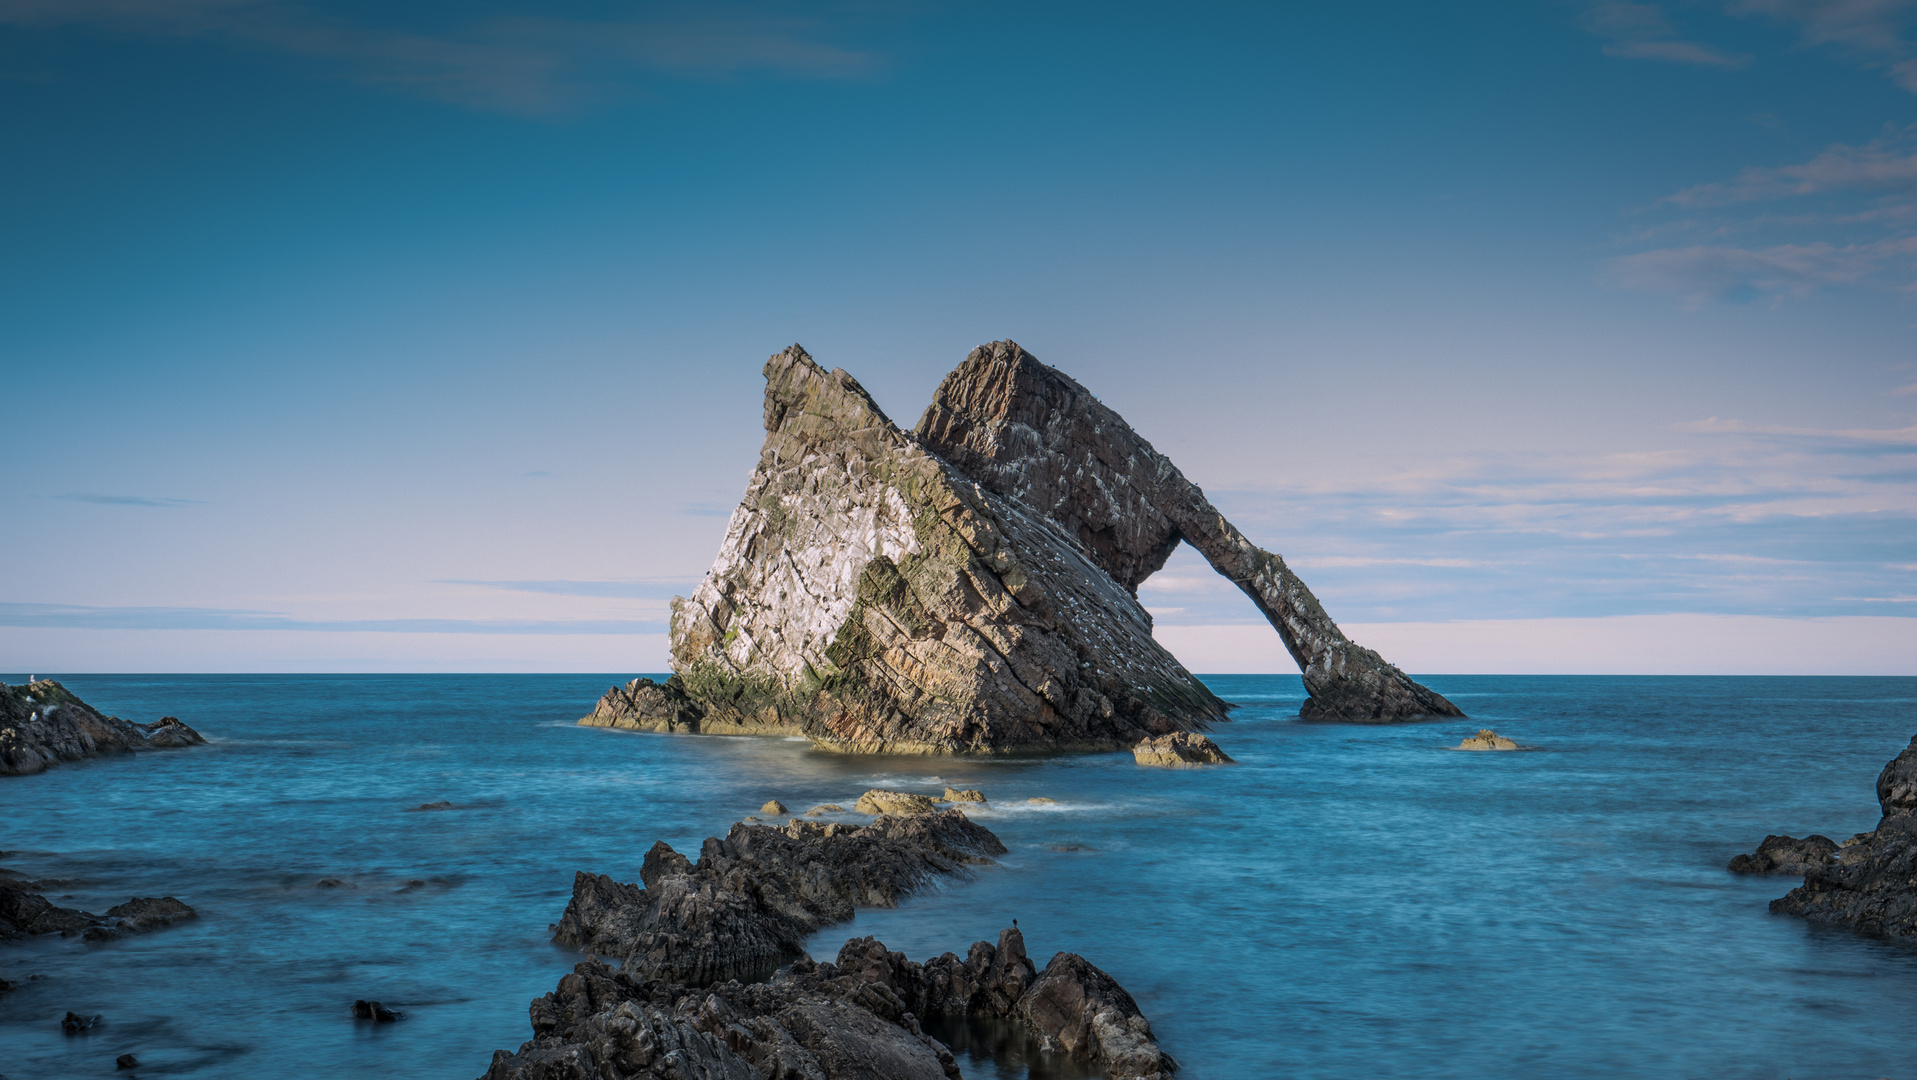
x: 1347, y: 900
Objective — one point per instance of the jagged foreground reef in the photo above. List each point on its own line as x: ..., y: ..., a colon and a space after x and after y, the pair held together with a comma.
x: 1869, y: 882
x: 43, y: 724
x: 695, y: 939
x: 969, y: 587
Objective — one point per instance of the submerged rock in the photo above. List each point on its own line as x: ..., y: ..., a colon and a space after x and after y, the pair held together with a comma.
x: 126, y: 1061
x: 1786, y: 855
x: 374, y: 1011
x: 1180, y: 749
x: 879, y: 801
x: 442, y: 804
x: 858, y: 1019
x: 75, y: 1024
x: 1869, y: 883
x: 43, y: 723
x: 964, y: 795
x: 1486, y: 739
x: 825, y: 808
x: 748, y: 904
x: 24, y: 913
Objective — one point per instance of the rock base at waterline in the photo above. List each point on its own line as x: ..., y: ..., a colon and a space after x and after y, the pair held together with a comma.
x: 1180, y: 749
x: 43, y: 724
x: 1869, y: 883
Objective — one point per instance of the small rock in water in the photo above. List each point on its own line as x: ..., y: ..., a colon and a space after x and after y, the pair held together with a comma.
x: 963, y: 795
x: 825, y: 808
x: 1486, y: 739
x: 126, y: 1061
x: 330, y: 883
x: 1787, y: 855
x: 75, y: 1024
x: 143, y: 913
x: 897, y: 803
x: 772, y: 806
x: 440, y: 805
x: 1179, y: 749
x: 1041, y: 801
x: 374, y: 1011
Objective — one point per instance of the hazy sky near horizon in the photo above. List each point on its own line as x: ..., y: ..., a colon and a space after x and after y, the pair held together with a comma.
x: 357, y: 335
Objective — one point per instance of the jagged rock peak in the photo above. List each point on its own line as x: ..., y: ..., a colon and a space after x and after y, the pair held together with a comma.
x: 1030, y: 433
x: 875, y: 599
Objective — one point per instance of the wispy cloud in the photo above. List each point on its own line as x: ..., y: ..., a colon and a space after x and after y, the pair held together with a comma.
x: 646, y: 589
x: 1866, y: 194
x: 531, y: 63
x: 75, y: 616
x: 1873, y: 32
x: 1645, y: 32
x: 123, y: 500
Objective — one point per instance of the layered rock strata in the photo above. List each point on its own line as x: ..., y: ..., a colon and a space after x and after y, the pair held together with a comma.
x: 43, y: 724
x: 858, y: 1019
x: 1030, y: 433
x: 1179, y: 750
x: 873, y: 598
x: 1869, y: 883
x: 748, y: 904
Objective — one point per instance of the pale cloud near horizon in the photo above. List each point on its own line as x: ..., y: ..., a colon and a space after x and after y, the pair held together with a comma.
x: 530, y: 64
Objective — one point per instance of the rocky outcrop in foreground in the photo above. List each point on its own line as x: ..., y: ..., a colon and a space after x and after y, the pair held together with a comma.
x: 971, y: 586
x: 26, y: 913
x: 695, y: 940
x: 747, y: 906
x: 1868, y: 883
x: 856, y: 1019
x: 43, y: 724
x: 1179, y: 750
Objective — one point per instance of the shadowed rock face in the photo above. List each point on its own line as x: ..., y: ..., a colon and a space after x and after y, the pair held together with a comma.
x: 1869, y: 883
x: 43, y: 724
x: 874, y: 599
x: 1030, y: 433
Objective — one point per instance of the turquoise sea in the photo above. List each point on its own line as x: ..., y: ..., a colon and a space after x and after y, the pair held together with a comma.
x: 1346, y: 901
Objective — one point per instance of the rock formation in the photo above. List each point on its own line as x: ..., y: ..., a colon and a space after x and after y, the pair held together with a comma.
x: 1180, y: 749
x: 42, y: 724
x: 747, y: 906
x: 880, y: 801
x: 858, y: 1019
x: 953, y: 794
x: 26, y: 913
x: 1870, y: 883
x: 969, y: 587
x: 1486, y: 739
x: 1786, y: 855
x: 1030, y: 433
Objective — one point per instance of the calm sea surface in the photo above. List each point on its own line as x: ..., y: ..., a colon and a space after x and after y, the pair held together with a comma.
x: 1347, y: 901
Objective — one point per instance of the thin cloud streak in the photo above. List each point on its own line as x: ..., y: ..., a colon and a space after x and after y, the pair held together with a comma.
x: 75, y: 616
x: 123, y: 500
x: 528, y: 65
x: 1645, y: 32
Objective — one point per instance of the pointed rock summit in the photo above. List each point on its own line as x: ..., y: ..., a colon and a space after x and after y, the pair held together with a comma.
x: 969, y: 587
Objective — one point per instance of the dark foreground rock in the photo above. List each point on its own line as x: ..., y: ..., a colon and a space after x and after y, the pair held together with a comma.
x: 857, y: 1019
x: 748, y: 904
x: 969, y: 586
x: 42, y: 724
x: 25, y: 913
x: 1786, y: 855
x: 1180, y: 749
x: 1870, y: 882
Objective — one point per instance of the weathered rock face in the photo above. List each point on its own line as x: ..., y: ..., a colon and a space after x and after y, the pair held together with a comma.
x: 747, y: 906
x: 1029, y: 433
x: 857, y: 1019
x: 1870, y: 882
x: 1486, y: 739
x: 43, y: 723
x: 873, y: 598
x: 1786, y: 855
x: 1180, y: 749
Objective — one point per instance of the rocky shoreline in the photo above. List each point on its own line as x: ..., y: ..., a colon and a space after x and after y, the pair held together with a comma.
x: 42, y: 724
x: 713, y: 980
x: 1868, y: 883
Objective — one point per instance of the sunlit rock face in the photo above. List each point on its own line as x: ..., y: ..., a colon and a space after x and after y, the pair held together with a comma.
x: 1029, y: 433
x: 969, y: 587
x: 875, y: 599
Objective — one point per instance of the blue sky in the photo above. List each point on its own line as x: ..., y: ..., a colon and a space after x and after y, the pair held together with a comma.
x: 427, y: 336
